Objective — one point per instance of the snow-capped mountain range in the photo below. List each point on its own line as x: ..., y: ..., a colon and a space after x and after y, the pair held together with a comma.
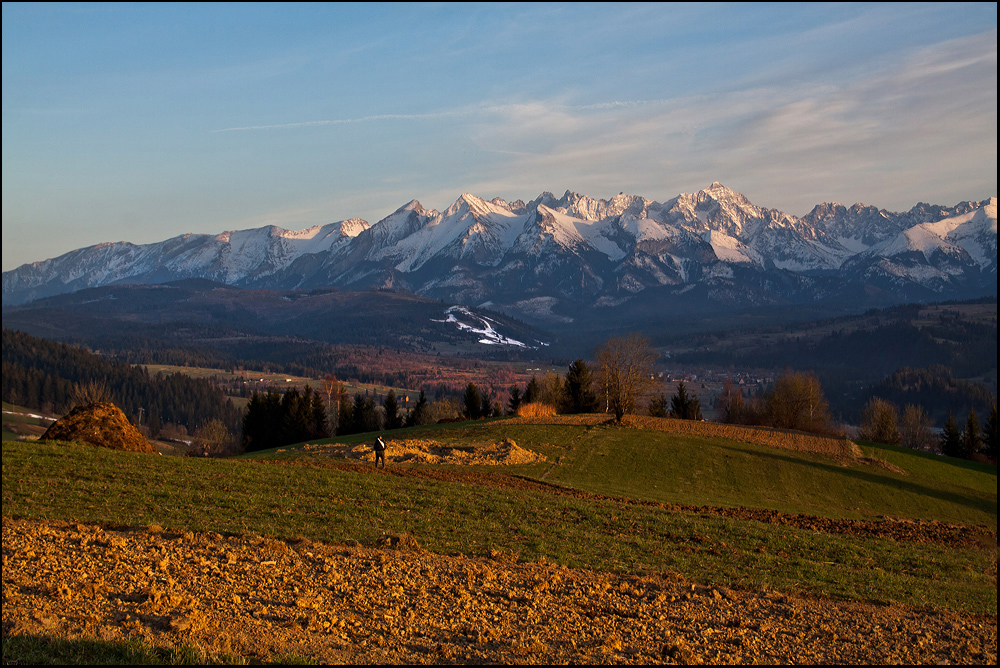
x: 547, y: 257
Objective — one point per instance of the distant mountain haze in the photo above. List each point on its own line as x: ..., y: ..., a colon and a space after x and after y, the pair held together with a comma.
x: 547, y: 258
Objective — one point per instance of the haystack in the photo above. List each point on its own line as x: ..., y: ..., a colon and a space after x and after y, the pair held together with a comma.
x: 101, y: 425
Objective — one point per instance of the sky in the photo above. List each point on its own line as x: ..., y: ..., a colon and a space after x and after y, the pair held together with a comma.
x: 138, y: 123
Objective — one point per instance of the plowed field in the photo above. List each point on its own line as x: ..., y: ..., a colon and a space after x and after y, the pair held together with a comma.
x: 350, y: 604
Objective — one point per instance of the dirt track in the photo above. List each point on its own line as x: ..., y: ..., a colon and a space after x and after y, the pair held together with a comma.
x: 351, y: 604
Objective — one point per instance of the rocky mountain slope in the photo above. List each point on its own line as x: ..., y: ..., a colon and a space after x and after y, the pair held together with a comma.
x: 547, y: 258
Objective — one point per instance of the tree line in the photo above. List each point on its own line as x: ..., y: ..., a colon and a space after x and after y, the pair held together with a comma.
x: 47, y: 375
x: 882, y: 423
x: 51, y: 377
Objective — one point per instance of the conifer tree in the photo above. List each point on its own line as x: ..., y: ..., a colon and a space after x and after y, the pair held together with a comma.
x: 345, y: 413
x: 320, y: 422
x: 684, y: 407
x: 514, y: 403
x: 473, y: 402
x: 364, y: 416
x: 972, y: 436
x: 658, y: 406
x: 392, y: 420
x: 421, y: 413
x: 990, y: 434
x: 579, y: 389
x: 951, y: 438
x: 531, y: 392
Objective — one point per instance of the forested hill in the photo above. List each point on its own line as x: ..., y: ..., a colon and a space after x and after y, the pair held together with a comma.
x: 43, y: 375
x: 943, y: 356
x: 961, y: 336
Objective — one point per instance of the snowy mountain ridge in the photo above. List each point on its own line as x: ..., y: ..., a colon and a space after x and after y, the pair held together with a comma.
x: 714, y: 245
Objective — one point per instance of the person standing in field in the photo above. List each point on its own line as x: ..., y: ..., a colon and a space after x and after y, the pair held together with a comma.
x: 379, y: 448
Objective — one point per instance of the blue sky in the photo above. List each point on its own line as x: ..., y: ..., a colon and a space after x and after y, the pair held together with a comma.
x: 142, y: 122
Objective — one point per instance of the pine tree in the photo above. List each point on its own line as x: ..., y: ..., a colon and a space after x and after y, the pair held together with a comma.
x: 951, y: 438
x: 990, y: 434
x: 658, y: 406
x: 320, y: 422
x: 358, y: 414
x: 684, y: 407
x: 514, y: 403
x: 421, y: 413
x: 972, y: 436
x: 579, y: 389
x: 345, y: 413
x: 473, y: 402
x: 531, y: 392
x: 392, y: 420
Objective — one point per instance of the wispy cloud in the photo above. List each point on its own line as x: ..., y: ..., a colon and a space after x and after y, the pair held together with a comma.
x: 524, y: 110
x: 791, y: 145
x: 346, y: 121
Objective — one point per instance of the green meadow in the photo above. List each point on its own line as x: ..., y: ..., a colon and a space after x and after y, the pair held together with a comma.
x: 294, y: 492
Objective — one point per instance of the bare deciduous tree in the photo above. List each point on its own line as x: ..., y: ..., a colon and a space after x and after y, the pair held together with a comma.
x: 915, y: 428
x: 625, y: 370
x: 797, y: 402
x: 214, y: 440
x: 880, y: 422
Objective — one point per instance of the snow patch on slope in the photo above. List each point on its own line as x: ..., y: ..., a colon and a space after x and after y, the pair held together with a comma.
x: 571, y: 232
x: 729, y: 249
x: 481, y: 326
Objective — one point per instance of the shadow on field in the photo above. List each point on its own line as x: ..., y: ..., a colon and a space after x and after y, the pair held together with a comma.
x: 885, y: 479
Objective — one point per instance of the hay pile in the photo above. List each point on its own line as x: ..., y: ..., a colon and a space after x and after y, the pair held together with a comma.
x: 100, y: 425
x: 425, y: 451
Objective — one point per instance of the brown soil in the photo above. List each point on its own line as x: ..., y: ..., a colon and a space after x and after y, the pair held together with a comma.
x: 263, y: 598
x: 101, y: 425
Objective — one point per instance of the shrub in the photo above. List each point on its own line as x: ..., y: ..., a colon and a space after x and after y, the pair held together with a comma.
x: 536, y: 409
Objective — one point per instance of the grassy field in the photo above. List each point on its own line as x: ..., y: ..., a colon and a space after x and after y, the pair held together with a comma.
x: 694, y: 470
x: 19, y: 423
x: 304, y: 499
x: 46, y: 650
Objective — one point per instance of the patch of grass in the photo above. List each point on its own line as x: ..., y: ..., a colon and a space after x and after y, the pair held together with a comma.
x: 697, y: 470
x: 36, y: 650
x: 74, y: 482
x: 47, y: 650
x: 18, y: 423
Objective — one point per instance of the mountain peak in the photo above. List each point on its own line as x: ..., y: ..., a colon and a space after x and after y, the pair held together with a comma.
x: 550, y: 245
x: 478, y: 206
x: 717, y: 190
x: 412, y: 205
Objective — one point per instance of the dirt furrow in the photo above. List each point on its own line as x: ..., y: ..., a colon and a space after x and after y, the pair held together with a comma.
x: 350, y: 604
